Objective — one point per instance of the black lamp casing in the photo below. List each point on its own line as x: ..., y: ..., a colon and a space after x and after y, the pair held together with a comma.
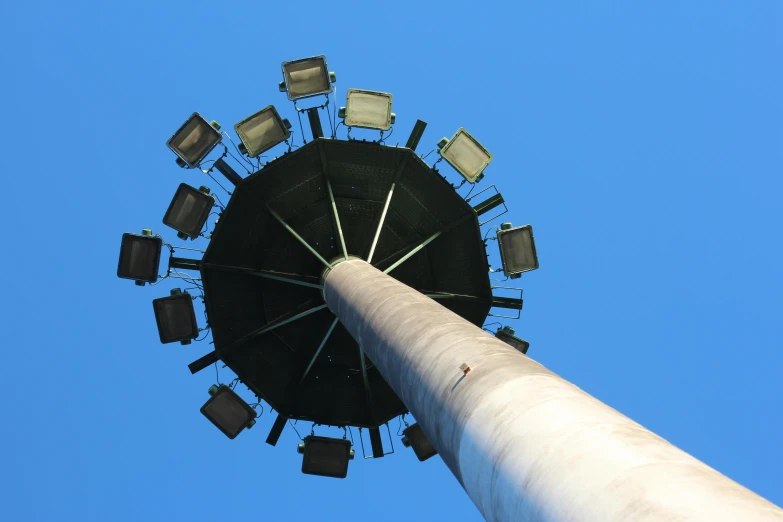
x: 228, y: 412
x: 322, y: 84
x: 517, y: 249
x: 268, y: 113
x: 191, y: 151
x: 326, y: 457
x: 139, y: 257
x: 189, y: 210
x: 506, y: 334
x: 414, y: 437
x: 176, y: 318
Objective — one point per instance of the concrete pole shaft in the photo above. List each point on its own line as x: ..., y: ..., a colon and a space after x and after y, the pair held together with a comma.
x: 524, y: 443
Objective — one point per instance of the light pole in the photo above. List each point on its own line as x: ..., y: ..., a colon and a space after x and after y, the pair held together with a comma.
x: 524, y: 443
x: 346, y: 283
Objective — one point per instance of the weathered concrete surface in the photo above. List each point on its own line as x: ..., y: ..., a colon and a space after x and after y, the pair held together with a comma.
x: 525, y: 444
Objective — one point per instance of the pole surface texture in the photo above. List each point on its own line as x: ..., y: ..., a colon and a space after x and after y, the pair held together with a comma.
x: 525, y: 444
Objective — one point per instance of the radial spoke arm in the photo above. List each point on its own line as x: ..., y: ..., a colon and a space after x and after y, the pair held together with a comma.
x: 418, y: 246
x: 386, y: 208
x: 337, y: 220
x: 458, y: 297
x: 380, y: 224
x: 325, y: 171
x: 267, y: 274
x: 318, y: 351
x: 269, y: 328
x: 297, y: 236
x: 410, y: 254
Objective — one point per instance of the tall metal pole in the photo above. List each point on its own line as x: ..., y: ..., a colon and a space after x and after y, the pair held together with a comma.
x: 524, y: 443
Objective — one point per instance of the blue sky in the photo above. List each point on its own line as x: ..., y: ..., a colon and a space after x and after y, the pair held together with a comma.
x: 642, y: 140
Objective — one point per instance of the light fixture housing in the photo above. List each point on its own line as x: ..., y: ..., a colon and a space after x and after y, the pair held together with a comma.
x: 506, y: 334
x: 325, y: 457
x: 306, y: 77
x: 465, y: 154
x: 139, y: 257
x: 228, y: 411
x: 176, y: 317
x: 189, y: 210
x: 195, y: 139
x: 368, y: 110
x: 262, y: 131
x: 413, y: 437
x: 517, y: 249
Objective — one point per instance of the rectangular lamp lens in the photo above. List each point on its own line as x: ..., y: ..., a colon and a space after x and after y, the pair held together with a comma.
x: 306, y: 77
x: 421, y: 445
x: 262, y: 131
x: 326, y: 457
x: 518, y: 250
x: 466, y: 155
x: 513, y: 341
x: 194, y: 140
x: 228, y: 411
x: 368, y: 109
x: 139, y: 257
x: 189, y: 210
x: 176, y: 318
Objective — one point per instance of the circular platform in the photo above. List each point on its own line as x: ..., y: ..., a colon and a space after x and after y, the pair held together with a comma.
x: 253, y: 263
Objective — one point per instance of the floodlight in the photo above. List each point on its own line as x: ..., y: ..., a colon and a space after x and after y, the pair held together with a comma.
x: 413, y: 437
x: 325, y: 457
x: 176, y: 317
x: 226, y: 410
x: 517, y: 249
x: 368, y: 110
x: 306, y: 77
x: 189, y: 211
x: 194, y: 140
x: 262, y: 131
x: 465, y: 154
x: 139, y: 257
x: 506, y: 334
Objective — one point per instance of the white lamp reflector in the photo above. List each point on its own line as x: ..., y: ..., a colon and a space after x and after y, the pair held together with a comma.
x: 262, y: 131
x: 368, y: 109
x: 306, y: 77
x: 194, y: 140
x: 517, y: 250
x: 467, y: 155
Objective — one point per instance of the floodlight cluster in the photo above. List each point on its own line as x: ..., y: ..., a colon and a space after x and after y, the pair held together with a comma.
x: 190, y: 210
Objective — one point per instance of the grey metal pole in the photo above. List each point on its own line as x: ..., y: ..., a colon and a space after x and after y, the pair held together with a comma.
x: 524, y: 443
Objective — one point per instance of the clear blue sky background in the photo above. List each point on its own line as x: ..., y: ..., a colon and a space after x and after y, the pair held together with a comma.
x: 643, y: 141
